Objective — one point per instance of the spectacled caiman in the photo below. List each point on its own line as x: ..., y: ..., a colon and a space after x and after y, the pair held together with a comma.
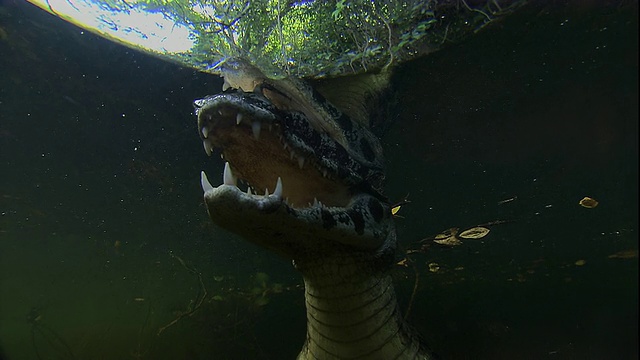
x: 320, y: 169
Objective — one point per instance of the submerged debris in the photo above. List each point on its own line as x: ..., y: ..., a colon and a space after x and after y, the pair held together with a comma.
x: 396, y: 207
x: 451, y: 237
x: 448, y: 237
x: 477, y: 232
x: 624, y: 254
x: 403, y: 262
x: 588, y: 202
x: 450, y: 241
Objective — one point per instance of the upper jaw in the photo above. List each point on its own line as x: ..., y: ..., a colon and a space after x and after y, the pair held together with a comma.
x: 263, y: 143
x: 314, y: 188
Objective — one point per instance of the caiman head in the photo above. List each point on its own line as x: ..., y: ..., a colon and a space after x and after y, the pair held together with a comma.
x: 302, y: 177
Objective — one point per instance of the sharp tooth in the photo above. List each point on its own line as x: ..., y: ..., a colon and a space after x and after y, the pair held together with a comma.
x: 315, y: 202
x: 228, y: 177
x: 256, y: 129
x: 300, y: 161
x: 249, y: 191
x: 324, y: 172
x: 206, y: 185
x: 266, y: 192
x: 238, y: 118
x: 207, y: 146
x: 225, y: 85
x: 205, y: 132
x: 278, y: 191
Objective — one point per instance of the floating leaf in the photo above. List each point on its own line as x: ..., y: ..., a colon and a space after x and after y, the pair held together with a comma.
x: 588, y: 202
x: 580, y: 262
x: 447, y: 233
x: 624, y: 254
x: 396, y: 207
x: 450, y: 241
x: 474, y: 233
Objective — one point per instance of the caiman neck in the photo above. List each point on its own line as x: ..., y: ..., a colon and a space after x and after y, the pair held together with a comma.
x: 352, y: 311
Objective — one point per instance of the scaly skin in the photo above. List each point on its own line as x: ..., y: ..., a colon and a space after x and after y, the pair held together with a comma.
x: 352, y: 312
x: 326, y: 211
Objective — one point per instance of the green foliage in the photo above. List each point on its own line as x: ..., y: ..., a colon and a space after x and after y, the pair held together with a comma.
x: 316, y: 38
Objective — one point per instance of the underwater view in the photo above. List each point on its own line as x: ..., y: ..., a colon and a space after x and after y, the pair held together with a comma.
x: 510, y: 169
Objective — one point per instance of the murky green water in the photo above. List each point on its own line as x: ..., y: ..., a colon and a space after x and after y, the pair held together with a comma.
x: 106, y: 251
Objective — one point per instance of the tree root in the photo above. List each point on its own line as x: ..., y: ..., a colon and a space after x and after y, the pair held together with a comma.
x: 191, y: 309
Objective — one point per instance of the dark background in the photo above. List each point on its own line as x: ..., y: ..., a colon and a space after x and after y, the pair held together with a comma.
x: 100, y: 198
